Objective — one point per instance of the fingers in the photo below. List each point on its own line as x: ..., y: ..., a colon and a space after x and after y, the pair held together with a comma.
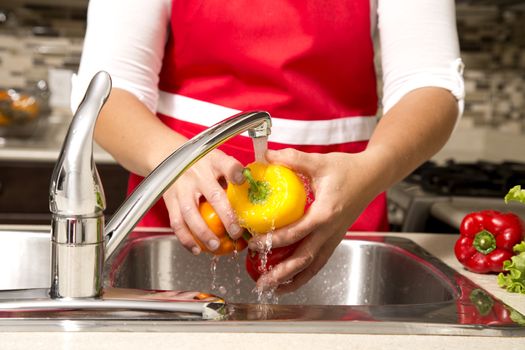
x: 223, y: 167
x: 309, y: 257
x: 284, y: 236
x: 229, y: 167
x: 299, y: 161
x: 203, y: 180
x: 189, y: 211
x: 283, y: 272
x: 294, y: 232
x: 216, y: 196
x: 180, y: 229
x: 306, y: 274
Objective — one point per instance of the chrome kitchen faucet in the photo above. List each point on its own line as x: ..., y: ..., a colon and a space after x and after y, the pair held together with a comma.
x: 80, y: 242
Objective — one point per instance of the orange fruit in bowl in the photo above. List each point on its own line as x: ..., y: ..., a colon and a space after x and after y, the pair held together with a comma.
x: 27, y: 104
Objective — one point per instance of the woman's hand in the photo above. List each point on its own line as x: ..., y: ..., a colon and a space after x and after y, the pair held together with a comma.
x: 206, y: 178
x: 342, y: 187
x: 140, y: 142
x: 412, y: 131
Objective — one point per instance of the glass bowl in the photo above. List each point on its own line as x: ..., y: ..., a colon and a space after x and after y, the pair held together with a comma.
x: 22, y: 111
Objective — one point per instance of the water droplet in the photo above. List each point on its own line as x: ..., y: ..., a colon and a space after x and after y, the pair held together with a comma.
x: 213, y: 269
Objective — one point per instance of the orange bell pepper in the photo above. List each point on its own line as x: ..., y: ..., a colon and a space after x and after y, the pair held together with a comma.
x: 227, y: 244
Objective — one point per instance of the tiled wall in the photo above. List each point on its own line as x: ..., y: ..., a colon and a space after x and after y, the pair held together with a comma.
x: 35, y: 39
x: 493, y: 50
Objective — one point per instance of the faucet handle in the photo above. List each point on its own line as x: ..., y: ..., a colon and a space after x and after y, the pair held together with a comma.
x: 76, y: 188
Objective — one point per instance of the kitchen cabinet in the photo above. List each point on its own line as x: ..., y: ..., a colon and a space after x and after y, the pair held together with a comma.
x: 501, y: 3
x: 24, y: 190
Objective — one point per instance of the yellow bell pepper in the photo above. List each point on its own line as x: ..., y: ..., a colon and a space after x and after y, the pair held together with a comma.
x: 272, y: 196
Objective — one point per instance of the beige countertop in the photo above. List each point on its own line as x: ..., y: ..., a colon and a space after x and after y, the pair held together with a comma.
x: 453, y: 211
x: 44, y: 152
x: 440, y: 245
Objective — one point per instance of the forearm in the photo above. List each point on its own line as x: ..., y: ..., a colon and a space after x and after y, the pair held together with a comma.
x: 133, y: 135
x: 411, y: 132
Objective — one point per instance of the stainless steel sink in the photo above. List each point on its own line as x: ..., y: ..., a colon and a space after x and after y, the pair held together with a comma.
x: 385, y: 272
x: 371, y: 285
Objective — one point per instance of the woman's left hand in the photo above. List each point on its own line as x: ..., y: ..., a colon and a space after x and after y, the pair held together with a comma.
x: 342, y: 186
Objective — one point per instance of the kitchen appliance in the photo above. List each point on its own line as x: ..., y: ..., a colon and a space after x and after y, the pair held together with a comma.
x: 435, y: 197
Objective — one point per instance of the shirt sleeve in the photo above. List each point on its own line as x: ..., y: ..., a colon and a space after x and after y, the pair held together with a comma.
x: 419, y: 48
x: 125, y: 38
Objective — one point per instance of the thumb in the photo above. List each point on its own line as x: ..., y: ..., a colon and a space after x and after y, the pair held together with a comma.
x: 296, y: 160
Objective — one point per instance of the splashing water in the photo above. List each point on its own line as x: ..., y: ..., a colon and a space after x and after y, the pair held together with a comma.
x: 264, y: 255
x: 222, y: 290
x: 267, y: 296
x: 237, y: 279
x: 307, y: 187
x: 260, y: 145
x: 213, y: 270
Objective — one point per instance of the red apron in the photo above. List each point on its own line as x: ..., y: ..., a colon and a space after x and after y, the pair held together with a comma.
x: 309, y: 64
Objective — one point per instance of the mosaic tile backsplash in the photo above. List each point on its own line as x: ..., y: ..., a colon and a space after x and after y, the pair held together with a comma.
x: 39, y: 38
x: 493, y: 49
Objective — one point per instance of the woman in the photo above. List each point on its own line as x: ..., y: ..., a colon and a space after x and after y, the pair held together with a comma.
x: 181, y: 66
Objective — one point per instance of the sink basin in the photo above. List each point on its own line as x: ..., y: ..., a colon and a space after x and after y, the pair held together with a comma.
x: 371, y: 285
x: 360, y: 272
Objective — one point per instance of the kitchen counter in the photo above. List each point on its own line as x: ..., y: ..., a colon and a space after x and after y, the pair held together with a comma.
x: 45, y: 146
x: 440, y: 245
x: 454, y: 210
x: 44, y: 151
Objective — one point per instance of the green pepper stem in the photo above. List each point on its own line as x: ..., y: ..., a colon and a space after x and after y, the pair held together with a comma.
x: 259, y: 190
x: 246, y: 235
x: 484, y: 242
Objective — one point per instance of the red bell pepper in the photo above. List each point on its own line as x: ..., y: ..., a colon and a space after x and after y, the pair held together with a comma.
x: 486, y: 240
x: 256, y: 264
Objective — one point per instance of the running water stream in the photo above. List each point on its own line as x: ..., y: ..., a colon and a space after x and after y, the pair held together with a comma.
x: 260, y: 145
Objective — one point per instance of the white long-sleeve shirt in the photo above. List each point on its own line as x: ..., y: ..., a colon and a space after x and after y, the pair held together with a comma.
x: 418, y: 44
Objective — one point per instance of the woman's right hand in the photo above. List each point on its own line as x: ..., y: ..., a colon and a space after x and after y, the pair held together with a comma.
x: 207, y: 178
x: 139, y: 141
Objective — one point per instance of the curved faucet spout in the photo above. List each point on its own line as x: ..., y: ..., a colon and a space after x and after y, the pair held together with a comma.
x: 75, y: 184
x: 257, y: 123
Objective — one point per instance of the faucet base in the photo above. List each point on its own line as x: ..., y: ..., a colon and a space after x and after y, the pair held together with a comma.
x: 77, y: 256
